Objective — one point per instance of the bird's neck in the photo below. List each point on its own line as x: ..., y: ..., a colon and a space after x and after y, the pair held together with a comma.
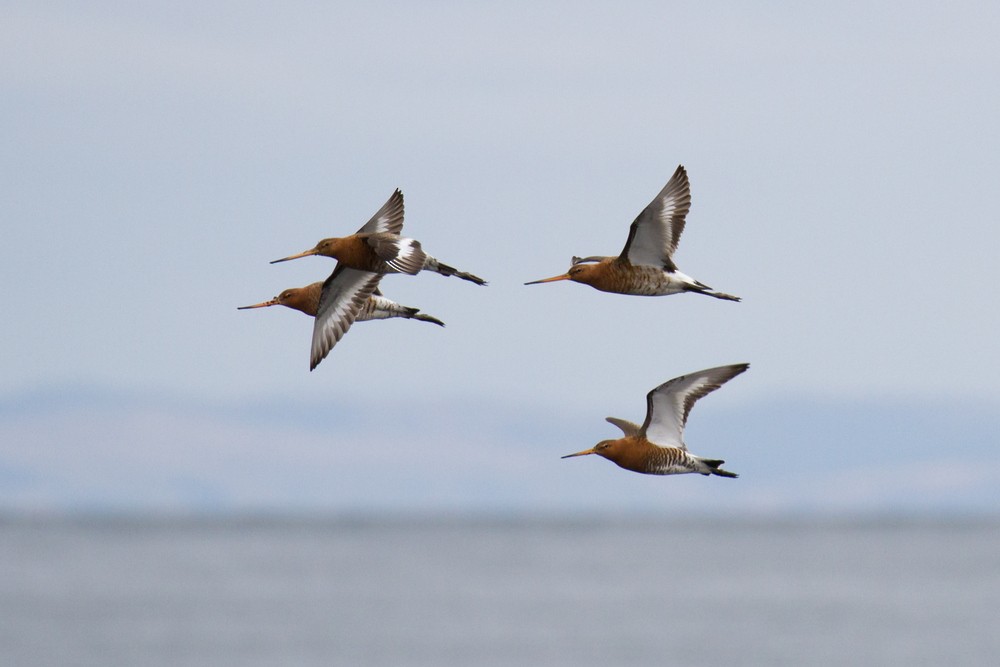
x: 305, y: 300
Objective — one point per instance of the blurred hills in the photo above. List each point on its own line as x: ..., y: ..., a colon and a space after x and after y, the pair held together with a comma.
x: 95, y: 451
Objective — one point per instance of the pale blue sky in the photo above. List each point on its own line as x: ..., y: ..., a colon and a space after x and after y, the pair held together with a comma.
x: 844, y: 160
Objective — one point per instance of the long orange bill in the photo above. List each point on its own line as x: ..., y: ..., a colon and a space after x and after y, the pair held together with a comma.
x: 564, y: 276
x: 301, y: 254
x: 583, y: 453
x: 262, y: 304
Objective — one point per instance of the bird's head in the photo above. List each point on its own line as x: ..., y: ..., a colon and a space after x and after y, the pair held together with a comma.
x: 581, y: 273
x: 304, y: 299
x: 606, y: 448
x: 327, y: 247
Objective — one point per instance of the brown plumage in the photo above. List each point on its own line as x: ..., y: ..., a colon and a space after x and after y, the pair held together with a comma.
x: 377, y: 307
x: 379, y: 248
x: 657, y: 446
x: 645, y: 267
x: 364, y: 257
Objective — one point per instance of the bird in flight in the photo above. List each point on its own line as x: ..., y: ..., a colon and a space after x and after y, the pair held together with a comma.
x: 657, y: 447
x: 378, y: 307
x: 645, y: 266
x: 378, y: 247
x: 362, y: 259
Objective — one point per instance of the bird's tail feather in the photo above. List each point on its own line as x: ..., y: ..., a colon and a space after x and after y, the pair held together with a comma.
x: 427, y: 318
x: 434, y: 265
x: 702, y: 288
x: 714, y: 468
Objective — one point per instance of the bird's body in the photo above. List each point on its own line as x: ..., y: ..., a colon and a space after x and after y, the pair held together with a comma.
x: 645, y: 266
x: 612, y: 274
x: 638, y: 454
x: 377, y: 307
x: 657, y: 446
x: 363, y: 258
x: 378, y: 248
x: 378, y: 252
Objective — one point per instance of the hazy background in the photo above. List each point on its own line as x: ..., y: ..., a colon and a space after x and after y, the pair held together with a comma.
x: 155, y: 156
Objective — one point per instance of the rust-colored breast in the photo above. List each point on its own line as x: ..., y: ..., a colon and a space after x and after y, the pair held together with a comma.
x: 621, y: 277
x: 354, y: 252
x: 304, y: 299
x: 639, y: 455
x: 606, y: 275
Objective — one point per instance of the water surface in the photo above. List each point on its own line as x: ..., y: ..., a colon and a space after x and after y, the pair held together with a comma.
x: 426, y: 592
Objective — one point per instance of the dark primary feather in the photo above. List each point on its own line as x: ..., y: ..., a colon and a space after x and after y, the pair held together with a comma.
x: 388, y: 219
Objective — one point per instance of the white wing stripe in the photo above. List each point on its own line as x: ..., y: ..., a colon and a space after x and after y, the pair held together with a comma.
x: 668, y: 406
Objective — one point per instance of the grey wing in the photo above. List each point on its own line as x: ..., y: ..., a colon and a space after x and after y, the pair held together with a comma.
x: 593, y: 258
x: 388, y: 219
x: 655, y: 233
x: 401, y: 254
x: 344, y: 294
x: 627, y: 427
x: 668, y: 406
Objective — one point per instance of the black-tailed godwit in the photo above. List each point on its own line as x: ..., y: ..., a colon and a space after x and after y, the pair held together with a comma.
x: 657, y: 447
x: 378, y: 248
x: 645, y: 266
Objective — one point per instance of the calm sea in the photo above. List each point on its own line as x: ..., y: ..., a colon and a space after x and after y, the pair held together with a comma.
x: 444, y: 593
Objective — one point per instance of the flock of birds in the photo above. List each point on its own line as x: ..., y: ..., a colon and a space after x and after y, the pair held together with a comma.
x: 645, y: 267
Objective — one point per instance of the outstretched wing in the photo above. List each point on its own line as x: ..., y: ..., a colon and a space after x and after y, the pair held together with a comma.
x: 344, y: 293
x: 388, y: 219
x: 627, y: 427
x: 655, y: 233
x: 668, y: 406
